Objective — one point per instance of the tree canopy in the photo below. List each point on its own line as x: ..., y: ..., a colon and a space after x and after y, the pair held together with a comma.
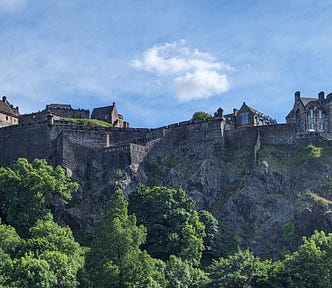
x: 201, y: 116
x: 174, y: 227
x: 28, y: 190
x: 115, y: 258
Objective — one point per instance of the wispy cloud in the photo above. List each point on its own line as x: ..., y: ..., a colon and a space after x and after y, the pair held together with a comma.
x: 195, y: 74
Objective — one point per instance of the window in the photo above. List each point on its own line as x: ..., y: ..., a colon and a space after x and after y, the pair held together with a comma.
x: 321, y: 126
x: 312, y: 127
x: 244, y: 118
x: 320, y: 114
x: 311, y: 114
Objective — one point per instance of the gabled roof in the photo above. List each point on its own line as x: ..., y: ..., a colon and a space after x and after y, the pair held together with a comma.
x: 6, y: 108
x: 102, y: 110
x: 310, y: 101
x: 252, y: 110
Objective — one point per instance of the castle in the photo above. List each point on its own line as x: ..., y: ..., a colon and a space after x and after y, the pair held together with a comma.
x: 64, y: 111
x: 312, y: 114
x: 50, y: 135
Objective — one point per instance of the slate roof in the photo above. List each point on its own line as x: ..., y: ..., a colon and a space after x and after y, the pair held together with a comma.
x: 310, y: 101
x: 6, y: 108
x: 102, y: 111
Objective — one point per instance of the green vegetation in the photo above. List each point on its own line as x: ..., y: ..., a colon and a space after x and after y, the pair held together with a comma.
x: 160, y: 246
x: 201, y: 116
x: 319, y: 199
x: 288, y: 230
x: 174, y: 227
x: 28, y: 191
x: 314, y: 151
x: 115, y: 259
x: 89, y: 122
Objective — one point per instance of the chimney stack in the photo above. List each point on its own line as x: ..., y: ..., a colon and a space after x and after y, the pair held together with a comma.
x: 297, y: 95
x: 321, y: 96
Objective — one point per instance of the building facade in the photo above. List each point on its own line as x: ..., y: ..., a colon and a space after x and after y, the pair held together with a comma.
x: 312, y: 114
x: 57, y: 110
x: 109, y: 114
x: 245, y: 117
x: 8, y: 114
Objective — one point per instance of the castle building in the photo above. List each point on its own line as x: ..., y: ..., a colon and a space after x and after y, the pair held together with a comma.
x: 245, y: 117
x: 57, y: 110
x: 312, y: 114
x: 109, y: 114
x: 8, y: 114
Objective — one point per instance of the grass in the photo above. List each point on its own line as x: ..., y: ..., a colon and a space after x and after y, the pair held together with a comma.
x: 89, y: 122
x: 319, y: 199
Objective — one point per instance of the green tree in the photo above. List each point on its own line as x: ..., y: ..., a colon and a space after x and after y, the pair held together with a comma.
x: 211, y: 238
x: 50, y: 258
x: 309, y: 266
x: 28, y: 191
x: 115, y: 259
x: 201, y: 116
x: 174, y: 227
x: 181, y: 274
x: 239, y: 270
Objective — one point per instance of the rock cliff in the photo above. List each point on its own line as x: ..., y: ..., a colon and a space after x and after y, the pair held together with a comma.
x: 266, y: 186
x: 265, y: 196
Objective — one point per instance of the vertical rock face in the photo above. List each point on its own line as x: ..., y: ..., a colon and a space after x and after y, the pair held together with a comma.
x: 267, y: 196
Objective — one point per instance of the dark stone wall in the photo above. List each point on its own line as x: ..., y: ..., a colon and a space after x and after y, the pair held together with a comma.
x: 29, y: 141
x: 281, y: 134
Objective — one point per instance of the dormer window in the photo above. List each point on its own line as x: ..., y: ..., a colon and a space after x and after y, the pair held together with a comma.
x: 244, y: 118
x: 311, y: 113
x: 320, y: 114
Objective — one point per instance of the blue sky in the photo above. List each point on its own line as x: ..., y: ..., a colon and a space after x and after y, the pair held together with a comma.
x: 161, y: 61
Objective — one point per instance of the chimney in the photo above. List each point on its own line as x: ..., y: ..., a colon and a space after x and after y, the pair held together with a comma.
x: 297, y: 95
x: 321, y: 97
x: 4, y: 98
x: 235, y: 111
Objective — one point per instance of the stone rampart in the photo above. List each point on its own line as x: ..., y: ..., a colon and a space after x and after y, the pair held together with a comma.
x: 280, y: 134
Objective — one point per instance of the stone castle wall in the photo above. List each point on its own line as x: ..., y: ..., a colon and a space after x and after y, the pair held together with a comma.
x: 72, y: 145
x: 281, y: 134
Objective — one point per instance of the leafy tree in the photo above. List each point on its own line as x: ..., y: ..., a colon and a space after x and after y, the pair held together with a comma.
x: 211, y: 238
x: 174, y: 227
x: 28, y: 271
x: 115, y: 259
x: 239, y: 270
x: 181, y: 274
x: 201, y: 116
x: 309, y: 266
x: 28, y: 190
x: 50, y: 258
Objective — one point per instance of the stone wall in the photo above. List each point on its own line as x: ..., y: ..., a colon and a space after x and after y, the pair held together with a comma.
x: 280, y: 134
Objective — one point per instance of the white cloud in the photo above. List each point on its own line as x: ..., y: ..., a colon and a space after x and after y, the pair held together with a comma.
x: 11, y: 5
x: 195, y: 74
x: 200, y: 84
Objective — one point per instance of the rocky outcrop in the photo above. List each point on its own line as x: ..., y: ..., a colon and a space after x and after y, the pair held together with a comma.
x: 266, y: 196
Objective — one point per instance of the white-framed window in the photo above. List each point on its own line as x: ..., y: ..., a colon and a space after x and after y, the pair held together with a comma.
x: 311, y: 114
x: 320, y: 114
x: 245, y: 118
